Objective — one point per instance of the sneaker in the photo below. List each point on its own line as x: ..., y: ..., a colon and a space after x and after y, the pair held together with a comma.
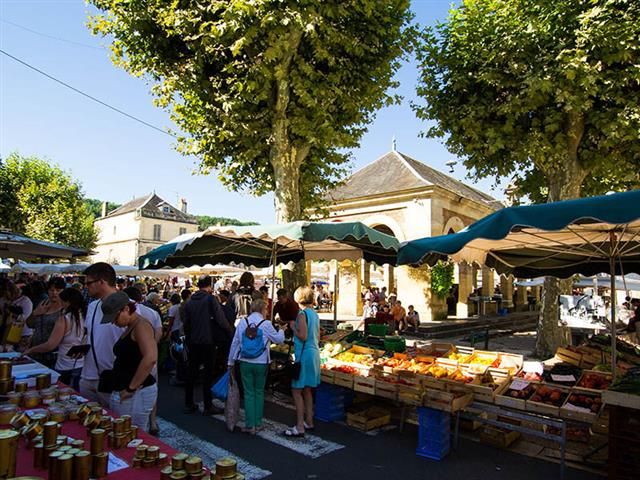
x: 207, y: 412
x: 190, y: 409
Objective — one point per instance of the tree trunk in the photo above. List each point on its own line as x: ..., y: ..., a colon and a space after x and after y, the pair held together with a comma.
x: 564, y: 183
x: 286, y: 158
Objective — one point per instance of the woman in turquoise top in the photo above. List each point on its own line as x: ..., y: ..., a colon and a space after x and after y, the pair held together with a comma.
x: 306, y: 332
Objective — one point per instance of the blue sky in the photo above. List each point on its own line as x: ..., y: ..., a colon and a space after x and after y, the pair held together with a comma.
x: 116, y: 158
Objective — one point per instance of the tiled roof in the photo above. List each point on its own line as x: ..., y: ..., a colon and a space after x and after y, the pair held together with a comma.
x: 151, y: 206
x: 394, y: 172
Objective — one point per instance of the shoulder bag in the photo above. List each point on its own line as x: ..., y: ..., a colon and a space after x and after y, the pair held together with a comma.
x: 293, y: 368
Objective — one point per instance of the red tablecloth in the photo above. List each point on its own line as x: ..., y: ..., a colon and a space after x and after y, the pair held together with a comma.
x: 74, y: 429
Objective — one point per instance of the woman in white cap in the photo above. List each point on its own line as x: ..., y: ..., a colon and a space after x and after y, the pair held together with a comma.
x: 136, y: 352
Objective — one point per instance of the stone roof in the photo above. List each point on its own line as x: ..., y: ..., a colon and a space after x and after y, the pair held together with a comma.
x: 153, y: 206
x: 394, y: 172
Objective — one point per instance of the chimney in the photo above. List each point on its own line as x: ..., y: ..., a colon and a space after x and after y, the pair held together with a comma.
x: 104, y: 209
x: 183, y: 205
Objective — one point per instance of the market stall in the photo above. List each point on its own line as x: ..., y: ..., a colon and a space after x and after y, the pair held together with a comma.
x: 49, y: 430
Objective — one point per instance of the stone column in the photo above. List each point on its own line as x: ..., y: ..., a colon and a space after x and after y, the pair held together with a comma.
x: 307, y: 271
x: 506, y: 287
x: 465, y: 287
x: 414, y: 289
x: 366, y: 273
x: 349, y: 279
x: 389, y: 280
x: 521, y: 300
x: 487, y: 282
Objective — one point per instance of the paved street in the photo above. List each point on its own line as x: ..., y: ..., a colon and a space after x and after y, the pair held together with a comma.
x: 336, y: 451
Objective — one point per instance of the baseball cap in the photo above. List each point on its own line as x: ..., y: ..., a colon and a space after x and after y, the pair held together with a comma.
x: 112, y: 305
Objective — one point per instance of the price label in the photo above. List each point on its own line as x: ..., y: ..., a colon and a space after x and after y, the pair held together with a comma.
x: 115, y: 463
x: 563, y: 378
x: 571, y: 406
x: 532, y: 367
x: 518, y: 384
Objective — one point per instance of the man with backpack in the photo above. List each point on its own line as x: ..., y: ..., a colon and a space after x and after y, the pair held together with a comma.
x: 206, y: 330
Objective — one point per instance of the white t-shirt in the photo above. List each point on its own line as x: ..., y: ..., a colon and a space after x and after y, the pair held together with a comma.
x: 269, y: 334
x: 27, y: 307
x: 72, y: 337
x: 154, y: 319
x: 102, y: 338
x: 174, y: 311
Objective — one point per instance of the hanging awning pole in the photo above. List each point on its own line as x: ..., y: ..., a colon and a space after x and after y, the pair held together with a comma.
x: 274, y: 256
x: 612, y: 276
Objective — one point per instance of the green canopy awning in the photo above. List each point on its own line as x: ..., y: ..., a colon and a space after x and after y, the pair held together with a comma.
x: 254, y: 245
x: 556, y: 239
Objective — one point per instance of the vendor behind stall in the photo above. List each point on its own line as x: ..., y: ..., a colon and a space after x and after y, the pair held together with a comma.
x: 286, y: 310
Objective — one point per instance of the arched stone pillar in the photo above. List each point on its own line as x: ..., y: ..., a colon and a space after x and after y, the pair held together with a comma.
x: 506, y: 287
x: 465, y: 287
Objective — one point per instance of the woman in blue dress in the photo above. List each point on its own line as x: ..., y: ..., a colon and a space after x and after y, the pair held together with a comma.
x: 306, y: 333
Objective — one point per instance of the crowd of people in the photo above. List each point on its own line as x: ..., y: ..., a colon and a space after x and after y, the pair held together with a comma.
x: 379, y: 307
x: 101, y: 333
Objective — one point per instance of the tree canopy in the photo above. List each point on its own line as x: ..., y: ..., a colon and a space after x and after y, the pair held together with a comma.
x: 545, y: 92
x: 269, y: 93
x: 205, y: 221
x: 95, y: 206
x: 44, y: 202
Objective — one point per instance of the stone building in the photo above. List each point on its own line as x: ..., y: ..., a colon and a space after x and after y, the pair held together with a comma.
x: 399, y: 195
x: 138, y: 226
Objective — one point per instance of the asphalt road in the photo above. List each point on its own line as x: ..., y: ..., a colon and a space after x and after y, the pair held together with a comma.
x: 338, y: 452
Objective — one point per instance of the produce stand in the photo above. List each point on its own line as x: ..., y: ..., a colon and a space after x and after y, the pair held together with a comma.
x: 50, y: 431
x: 556, y: 401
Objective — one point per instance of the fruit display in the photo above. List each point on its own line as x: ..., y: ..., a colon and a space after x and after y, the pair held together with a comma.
x: 522, y: 394
x: 361, y: 358
x: 332, y: 349
x: 585, y: 401
x: 407, y: 365
x: 594, y: 381
x: 484, y: 359
x: 346, y: 369
x: 437, y: 371
x: 461, y: 376
x: 459, y: 357
x: 548, y: 395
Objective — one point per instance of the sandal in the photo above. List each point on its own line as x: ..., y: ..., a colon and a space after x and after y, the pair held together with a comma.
x: 311, y: 428
x: 250, y: 431
x: 293, y: 432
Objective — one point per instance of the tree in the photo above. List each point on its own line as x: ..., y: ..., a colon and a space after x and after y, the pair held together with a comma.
x: 9, y: 213
x: 95, y: 206
x: 48, y: 202
x: 538, y: 90
x: 205, y: 221
x: 269, y: 92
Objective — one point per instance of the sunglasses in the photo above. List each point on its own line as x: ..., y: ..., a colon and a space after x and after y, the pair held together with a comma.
x: 91, y: 281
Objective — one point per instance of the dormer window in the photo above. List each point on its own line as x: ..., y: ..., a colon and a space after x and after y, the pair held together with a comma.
x: 166, y: 209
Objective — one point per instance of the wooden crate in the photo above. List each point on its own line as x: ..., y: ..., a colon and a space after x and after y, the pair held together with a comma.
x: 506, y: 400
x: 343, y: 380
x: 582, y: 416
x: 586, y: 373
x: 435, y: 349
x: 569, y: 356
x: 543, y: 408
x: 410, y: 394
x: 369, y: 419
x: 516, y: 359
x: 386, y: 390
x: 498, y: 437
x: 327, y: 376
x: 364, y: 384
x: 487, y: 393
x: 366, y: 351
x: 449, y: 401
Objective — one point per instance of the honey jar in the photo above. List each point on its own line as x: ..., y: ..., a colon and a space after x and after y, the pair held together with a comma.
x: 57, y: 415
x: 149, y: 462
x: 7, y: 412
x: 5, y: 369
x: 32, y: 430
x: 30, y: 399
x: 43, y: 381
x: 14, y: 397
x: 64, y: 394
x: 193, y: 465
x: 82, y: 465
x: 99, y: 465
x: 6, y: 385
x: 127, y: 422
x: 97, y: 441
x: 50, y: 434
x: 21, y: 386
x: 226, y: 467
x: 152, y: 452
x: 179, y: 475
x: 47, y: 396
x: 40, y: 418
x: 91, y: 421
x: 53, y: 466
x: 177, y: 461
x: 20, y: 420
x: 83, y: 411
x: 165, y: 473
x: 38, y: 455
x: 8, y: 453
x: 65, y: 467
x: 162, y: 460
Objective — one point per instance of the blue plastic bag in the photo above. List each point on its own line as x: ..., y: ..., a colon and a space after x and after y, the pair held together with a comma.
x: 220, y: 389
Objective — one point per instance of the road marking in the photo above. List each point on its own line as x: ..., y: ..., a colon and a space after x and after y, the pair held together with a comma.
x: 310, y: 445
x: 186, y: 442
